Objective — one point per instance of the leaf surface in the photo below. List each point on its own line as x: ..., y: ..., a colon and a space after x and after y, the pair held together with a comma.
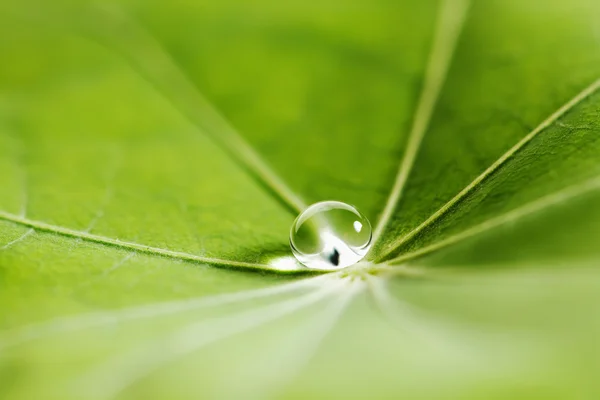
x: 154, y: 156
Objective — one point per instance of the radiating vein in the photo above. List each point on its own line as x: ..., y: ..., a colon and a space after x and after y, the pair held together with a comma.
x: 111, y: 378
x: 432, y: 334
x: 394, y: 311
x: 452, y: 15
x: 299, y: 348
x: 591, y: 89
x: 17, y: 240
x: 435, y: 333
x: 306, y: 349
x: 141, y: 248
x: 63, y: 325
x: 400, y: 313
x: 147, y: 56
x: 529, y: 208
x: 118, y: 264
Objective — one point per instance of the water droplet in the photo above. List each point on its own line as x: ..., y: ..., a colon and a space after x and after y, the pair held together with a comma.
x: 330, y: 235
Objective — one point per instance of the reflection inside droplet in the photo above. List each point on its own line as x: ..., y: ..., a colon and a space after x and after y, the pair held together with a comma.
x: 330, y: 235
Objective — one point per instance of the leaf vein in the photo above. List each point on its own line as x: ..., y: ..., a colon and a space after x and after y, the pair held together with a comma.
x: 140, y: 248
x: 591, y: 89
x: 452, y: 15
x: 17, y: 240
x: 553, y: 199
x: 66, y: 324
x: 144, y: 360
x: 137, y: 45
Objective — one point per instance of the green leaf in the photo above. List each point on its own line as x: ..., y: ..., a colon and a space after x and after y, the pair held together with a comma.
x: 155, y: 154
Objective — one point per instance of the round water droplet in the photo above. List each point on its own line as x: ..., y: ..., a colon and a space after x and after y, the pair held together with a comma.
x: 330, y: 235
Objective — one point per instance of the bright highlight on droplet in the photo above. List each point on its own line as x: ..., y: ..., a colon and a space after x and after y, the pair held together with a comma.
x: 330, y: 235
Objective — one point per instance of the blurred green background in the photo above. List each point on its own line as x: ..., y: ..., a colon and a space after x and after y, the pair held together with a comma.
x: 154, y: 154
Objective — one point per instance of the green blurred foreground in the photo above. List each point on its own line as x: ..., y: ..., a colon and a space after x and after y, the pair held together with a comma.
x: 153, y: 156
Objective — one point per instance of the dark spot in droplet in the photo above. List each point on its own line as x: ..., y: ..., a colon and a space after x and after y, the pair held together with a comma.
x: 334, y: 258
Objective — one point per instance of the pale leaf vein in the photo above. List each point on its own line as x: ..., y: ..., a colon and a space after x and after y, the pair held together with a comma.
x: 591, y: 89
x: 451, y: 18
